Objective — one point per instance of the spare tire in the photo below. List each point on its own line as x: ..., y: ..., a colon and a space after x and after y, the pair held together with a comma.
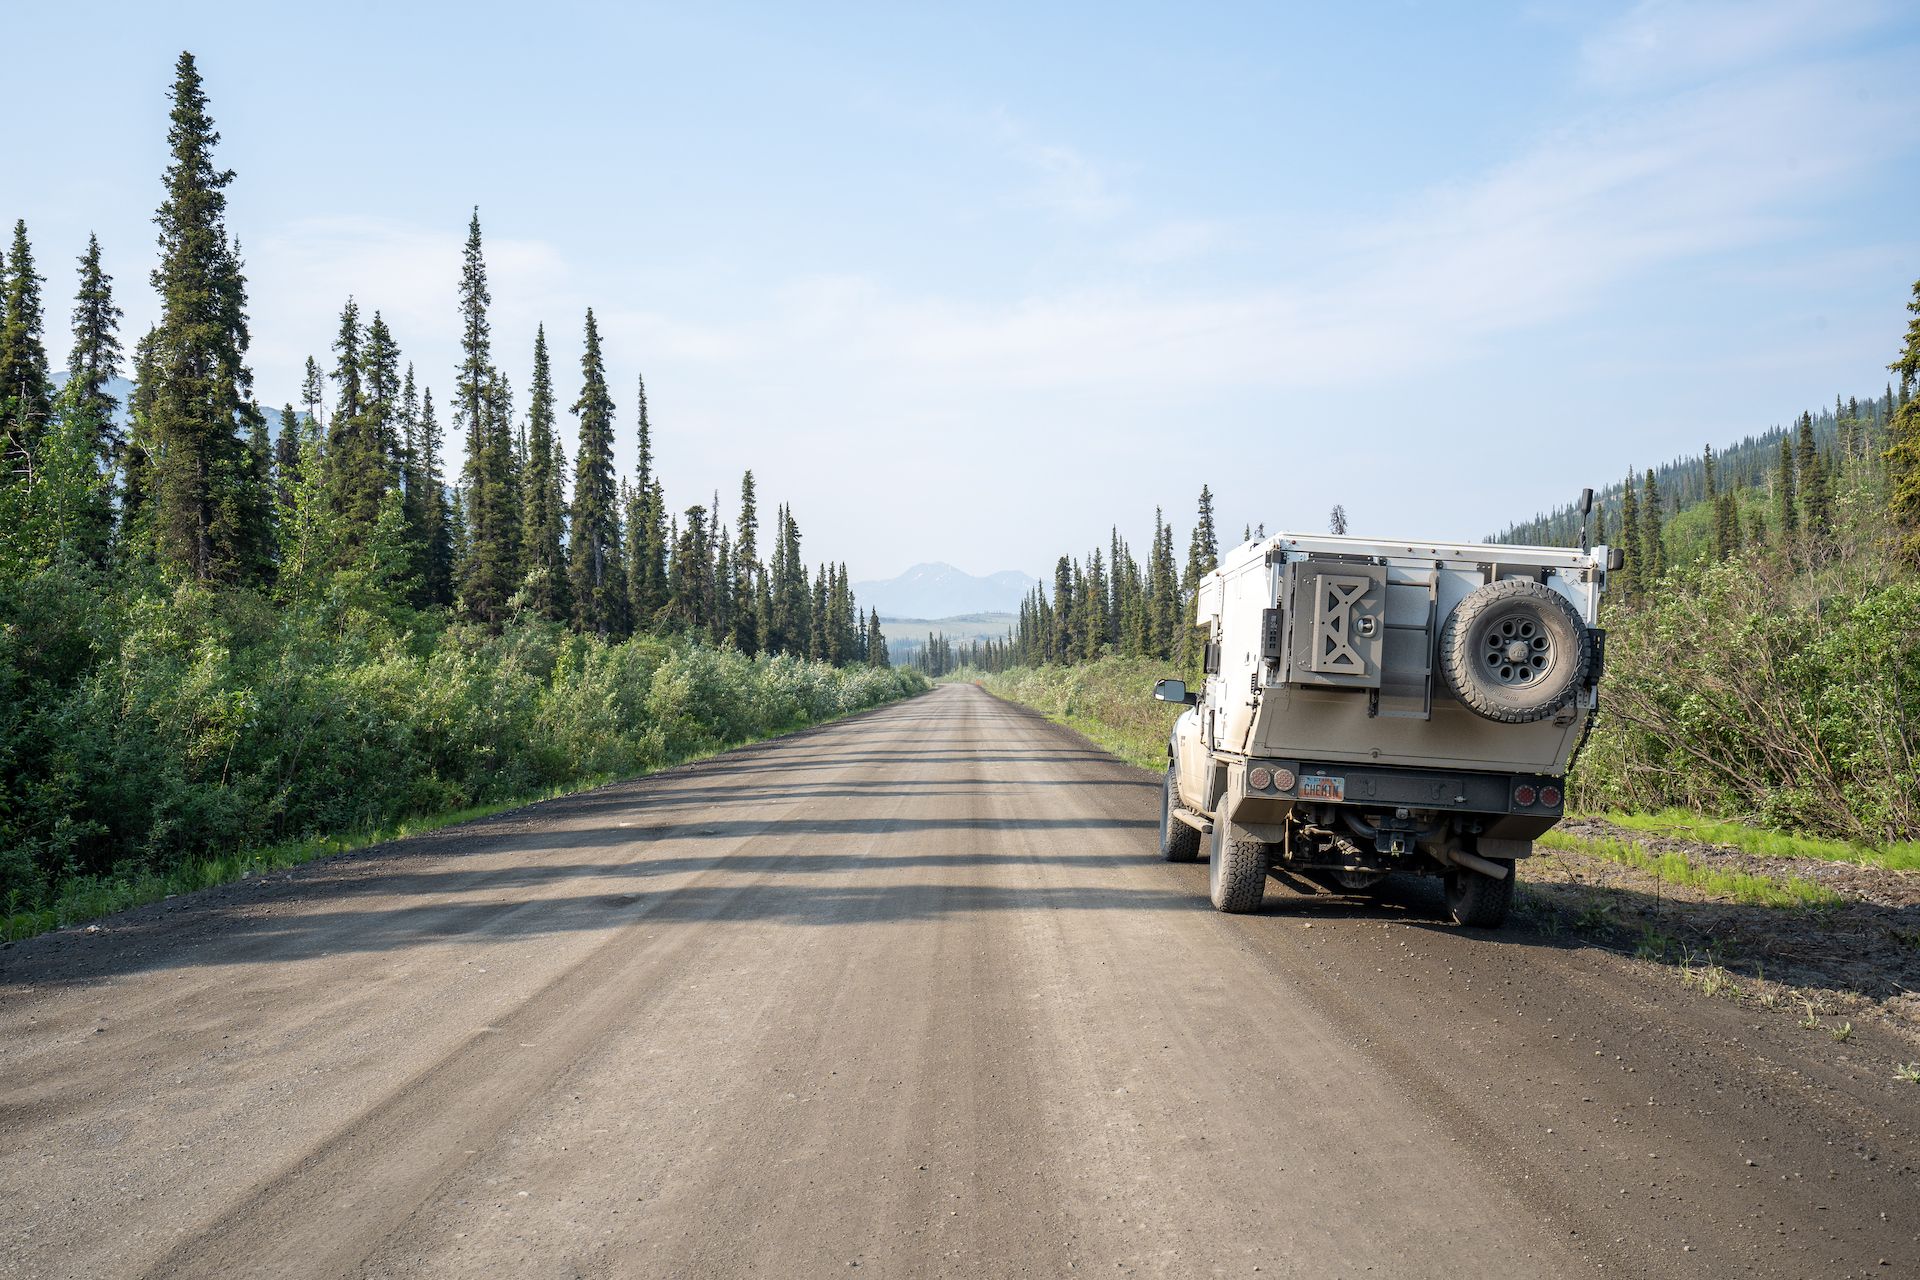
x: 1515, y: 651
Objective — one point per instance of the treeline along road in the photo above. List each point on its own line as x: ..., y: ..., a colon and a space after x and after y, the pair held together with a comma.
x: 908, y: 994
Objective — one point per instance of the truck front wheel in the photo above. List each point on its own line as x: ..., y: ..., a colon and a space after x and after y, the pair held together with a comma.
x: 1236, y: 870
x: 1478, y: 901
x: 1178, y: 841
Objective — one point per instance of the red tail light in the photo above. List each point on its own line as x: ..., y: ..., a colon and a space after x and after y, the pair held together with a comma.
x: 1550, y: 797
x: 1524, y: 796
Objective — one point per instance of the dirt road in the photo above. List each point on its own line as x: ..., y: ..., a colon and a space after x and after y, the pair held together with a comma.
x: 906, y: 995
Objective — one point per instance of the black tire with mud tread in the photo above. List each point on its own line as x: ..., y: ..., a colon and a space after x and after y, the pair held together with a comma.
x: 1477, y: 901
x: 1178, y: 841
x: 1236, y: 870
x: 1461, y: 640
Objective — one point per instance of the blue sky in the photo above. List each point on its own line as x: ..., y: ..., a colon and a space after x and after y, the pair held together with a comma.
x: 973, y: 283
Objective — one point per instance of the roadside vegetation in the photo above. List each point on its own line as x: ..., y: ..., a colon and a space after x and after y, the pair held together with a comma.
x: 1102, y: 700
x: 225, y: 647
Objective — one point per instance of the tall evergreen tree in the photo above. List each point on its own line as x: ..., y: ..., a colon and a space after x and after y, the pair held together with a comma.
x: 748, y: 625
x: 440, y: 533
x: 1903, y: 441
x: 26, y: 386
x: 313, y: 389
x: 354, y: 461
x: 1635, y: 571
x: 1785, y: 509
x: 87, y: 405
x: 544, y: 532
x: 1810, y: 478
x: 286, y: 456
x: 596, y: 548
x: 380, y: 384
x: 95, y: 358
x: 1203, y: 556
x: 1652, y: 538
x: 209, y: 516
x: 488, y: 570
x: 647, y: 540
x: 876, y: 642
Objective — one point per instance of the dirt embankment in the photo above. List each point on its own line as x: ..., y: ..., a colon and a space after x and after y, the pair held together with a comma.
x: 1855, y: 955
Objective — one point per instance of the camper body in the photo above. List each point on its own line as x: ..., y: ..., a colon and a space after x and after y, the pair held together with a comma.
x: 1377, y: 706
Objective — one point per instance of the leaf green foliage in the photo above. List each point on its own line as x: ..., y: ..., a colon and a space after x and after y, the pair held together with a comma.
x: 1106, y: 699
x: 1676, y: 869
x: 1901, y: 856
x: 1725, y: 695
x: 144, y: 735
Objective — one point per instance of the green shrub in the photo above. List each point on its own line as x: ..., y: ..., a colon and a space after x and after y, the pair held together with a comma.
x: 190, y: 729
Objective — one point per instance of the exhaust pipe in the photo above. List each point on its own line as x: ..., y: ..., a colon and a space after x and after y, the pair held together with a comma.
x: 1474, y: 862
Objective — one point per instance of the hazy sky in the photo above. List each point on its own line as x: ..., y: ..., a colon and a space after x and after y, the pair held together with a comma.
x: 974, y: 283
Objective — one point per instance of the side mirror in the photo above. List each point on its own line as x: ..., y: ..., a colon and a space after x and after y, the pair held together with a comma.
x: 1616, y: 559
x: 1174, y: 691
x: 1586, y: 503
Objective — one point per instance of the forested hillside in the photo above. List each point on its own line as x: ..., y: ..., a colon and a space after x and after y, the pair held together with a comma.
x: 222, y: 628
x: 1764, y: 650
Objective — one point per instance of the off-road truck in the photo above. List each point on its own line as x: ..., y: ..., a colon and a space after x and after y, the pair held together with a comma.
x: 1373, y: 707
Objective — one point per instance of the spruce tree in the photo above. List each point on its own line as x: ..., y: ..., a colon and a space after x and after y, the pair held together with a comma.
x: 1203, y: 556
x: 490, y: 519
x: 313, y: 390
x: 380, y: 384
x: 595, y: 551
x: 748, y: 623
x: 26, y: 386
x: 1903, y: 441
x: 647, y: 541
x: 209, y: 516
x: 1060, y: 645
x: 1652, y: 539
x: 86, y: 403
x: 95, y: 358
x: 1811, y: 480
x: 354, y: 462
x: 286, y: 456
x: 543, y: 534
x: 1785, y: 509
x: 440, y: 526
x: 1635, y: 572
x: 817, y: 617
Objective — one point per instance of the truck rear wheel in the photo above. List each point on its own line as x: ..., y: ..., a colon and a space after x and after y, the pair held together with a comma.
x: 1178, y: 841
x: 1478, y: 901
x: 1236, y: 870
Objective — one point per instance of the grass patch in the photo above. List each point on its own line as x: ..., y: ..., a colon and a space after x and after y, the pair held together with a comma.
x: 1673, y: 868
x: 1904, y: 856
x: 1110, y: 701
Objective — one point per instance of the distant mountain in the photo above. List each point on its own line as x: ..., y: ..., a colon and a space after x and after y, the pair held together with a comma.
x: 942, y: 591
x: 119, y: 388
x: 122, y: 390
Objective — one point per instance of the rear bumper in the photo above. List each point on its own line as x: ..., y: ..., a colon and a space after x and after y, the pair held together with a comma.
x: 1490, y: 800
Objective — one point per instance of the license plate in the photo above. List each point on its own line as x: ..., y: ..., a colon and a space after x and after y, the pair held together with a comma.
x: 1320, y: 787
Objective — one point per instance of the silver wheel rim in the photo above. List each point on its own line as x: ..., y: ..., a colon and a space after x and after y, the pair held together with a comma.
x: 1516, y: 651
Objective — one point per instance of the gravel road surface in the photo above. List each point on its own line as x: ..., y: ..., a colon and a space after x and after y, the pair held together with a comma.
x: 906, y: 995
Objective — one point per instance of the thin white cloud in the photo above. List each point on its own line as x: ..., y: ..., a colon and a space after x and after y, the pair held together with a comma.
x: 1587, y: 208
x: 1060, y: 180
x: 1666, y: 41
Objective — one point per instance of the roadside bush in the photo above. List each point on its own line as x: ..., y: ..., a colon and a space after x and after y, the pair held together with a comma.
x: 1109, y: 700
x: 201, y: 725
x: 1723, y: 699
